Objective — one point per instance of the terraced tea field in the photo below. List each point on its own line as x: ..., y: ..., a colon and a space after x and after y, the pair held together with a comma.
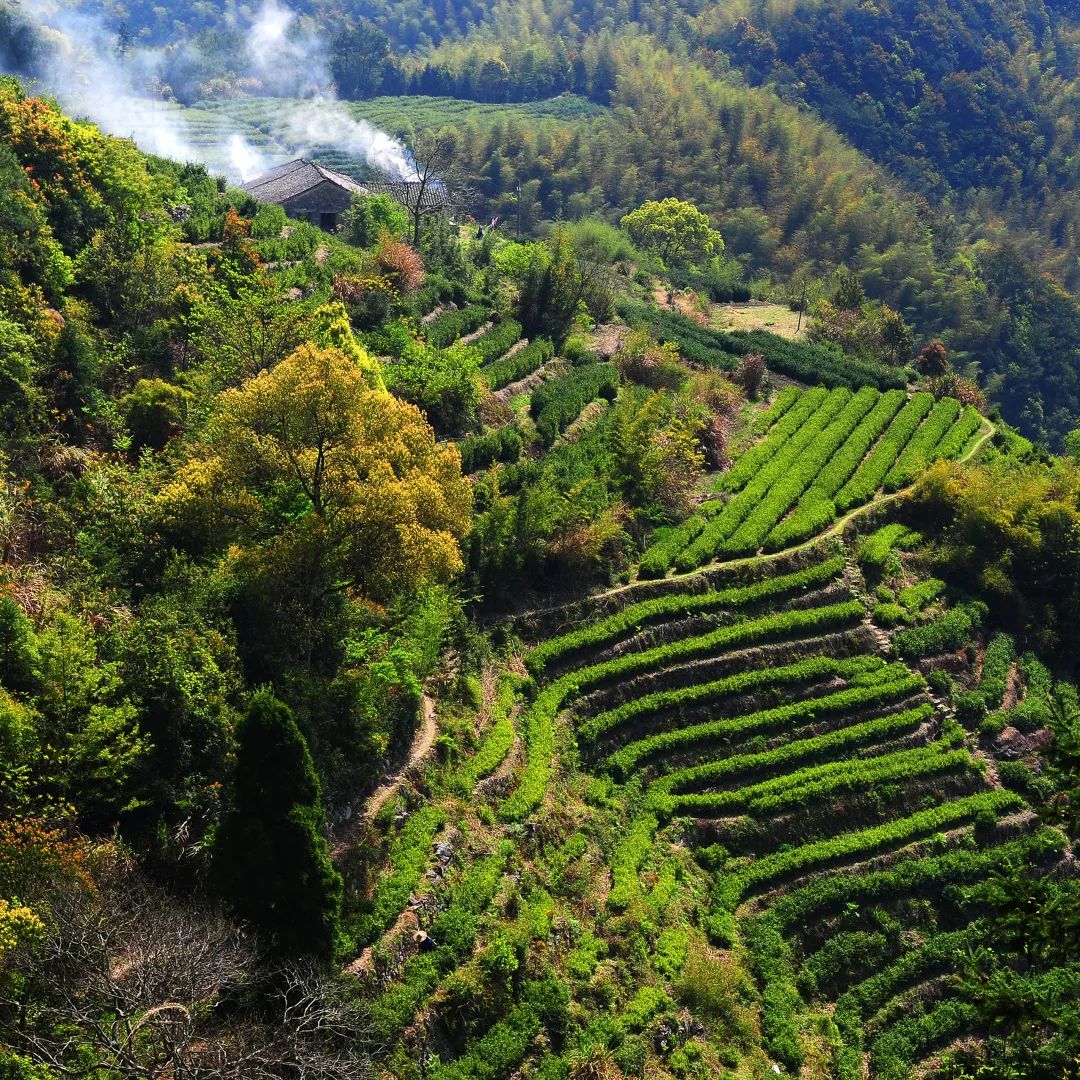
x: 281, y: 128
x: 756, y: 714
x: 824, y: 453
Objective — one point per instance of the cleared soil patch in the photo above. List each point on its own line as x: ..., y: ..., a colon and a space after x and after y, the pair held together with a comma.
x: 758, y: 315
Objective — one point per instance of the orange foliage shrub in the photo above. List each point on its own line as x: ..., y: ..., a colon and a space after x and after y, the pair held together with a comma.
x: 400, y: 264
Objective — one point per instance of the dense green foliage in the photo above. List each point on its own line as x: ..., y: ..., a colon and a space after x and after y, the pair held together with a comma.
x: 325, y: 646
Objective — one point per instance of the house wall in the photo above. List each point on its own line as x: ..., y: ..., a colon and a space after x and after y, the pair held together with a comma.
x: 326, y: 198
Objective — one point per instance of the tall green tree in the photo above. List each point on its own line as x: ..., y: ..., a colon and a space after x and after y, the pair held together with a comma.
x: 676, y: 232
x: 273, y: 860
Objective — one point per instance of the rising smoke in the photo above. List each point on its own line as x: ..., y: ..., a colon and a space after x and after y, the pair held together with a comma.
x: 78, y: 62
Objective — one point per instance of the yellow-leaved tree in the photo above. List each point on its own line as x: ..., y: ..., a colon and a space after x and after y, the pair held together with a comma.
x: 320, y: 483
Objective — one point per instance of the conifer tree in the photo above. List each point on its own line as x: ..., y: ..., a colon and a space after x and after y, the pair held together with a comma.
x: 274, y: 863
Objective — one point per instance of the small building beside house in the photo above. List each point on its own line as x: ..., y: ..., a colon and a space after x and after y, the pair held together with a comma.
x: 307, y: 191
x: 312, y: 192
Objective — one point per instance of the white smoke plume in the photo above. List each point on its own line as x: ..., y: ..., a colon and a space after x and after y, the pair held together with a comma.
x: 326, y: 123
x: 123, y: 95
x: 288, y: 60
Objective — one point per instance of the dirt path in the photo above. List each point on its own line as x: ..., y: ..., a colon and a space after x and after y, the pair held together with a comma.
x: 423, y: 741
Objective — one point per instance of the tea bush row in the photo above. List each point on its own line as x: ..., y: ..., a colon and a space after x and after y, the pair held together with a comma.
x: 538, y: 723
x: 768, y: 796
x: 938, y: 954
x: 721, y: 527
x: 663, y: 795
x: 446, y: 329
x: 959, y: 435
x: 915, y: 597
x: 500, y: 736
x: 780, y: 405
x: 880, y: 544
x: 630, y: 757
x: 768, y: 678
x: 510, y: 369
x: 675, y: 605
x: 504, y: 444
x: 919, y: 452
x: 657, y: 560
x: 788, y: 488
x: 408, y: 856
x: 871, y: 473
x: 939, y: 874
x: 557, y: 404
x: 946, y: 633
x: 498, y: 340
x: 732, y: 887
x: 760, y: 454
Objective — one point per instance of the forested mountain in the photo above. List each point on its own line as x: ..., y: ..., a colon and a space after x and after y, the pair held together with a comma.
x: 960, y: 116
x: 620, y: 624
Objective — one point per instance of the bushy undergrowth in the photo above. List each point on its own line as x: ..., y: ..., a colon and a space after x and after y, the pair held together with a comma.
x: 879, y: 545
x: 946, y: 633
x: 503, y: 444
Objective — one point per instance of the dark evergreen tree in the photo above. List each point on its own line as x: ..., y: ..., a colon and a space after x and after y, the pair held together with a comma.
x: 273, y: 861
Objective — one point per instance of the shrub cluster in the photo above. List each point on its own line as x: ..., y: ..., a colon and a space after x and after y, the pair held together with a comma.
x: 446, y: 329
x: 947, y: 633
x: 880, y: 544
x: 524, y: 362
x: 871, y: 473
x: 557, y: 404
x: 481, y: 451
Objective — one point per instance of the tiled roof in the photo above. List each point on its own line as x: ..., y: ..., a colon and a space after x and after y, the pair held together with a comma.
x: 435, y: 196
x: 294, y: 178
